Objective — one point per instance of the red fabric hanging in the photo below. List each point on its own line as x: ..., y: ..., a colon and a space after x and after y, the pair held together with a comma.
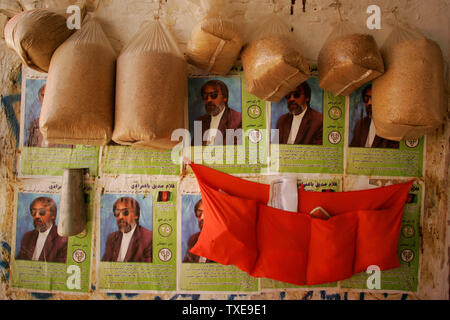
x: 240, y: 229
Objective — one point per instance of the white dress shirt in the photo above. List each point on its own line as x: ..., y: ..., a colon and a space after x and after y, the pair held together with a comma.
x: 296, y: 122
x: 126, y: 238
x: 371, y: 135
x: 40, y: 244
x: 212, y: 133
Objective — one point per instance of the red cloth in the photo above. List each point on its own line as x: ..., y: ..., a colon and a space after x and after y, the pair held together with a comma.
x: 240, y: 229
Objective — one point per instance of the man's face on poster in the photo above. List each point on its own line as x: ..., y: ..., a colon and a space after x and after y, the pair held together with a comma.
x: 367, y: 99
x: 42, y: 217
x: 125, y: 216
x: 199, y: 215
x: 214, y: 100
x: 296, y: 101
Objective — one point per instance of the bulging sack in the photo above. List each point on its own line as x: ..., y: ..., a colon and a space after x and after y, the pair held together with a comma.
x: 35, y: 35
x: 348, y: 60
x: 409, y: 99
x: 273, y: 64
x: 215, y: 41
x: 151, y: 89
x: 78, y: 106
x: 214, y: 45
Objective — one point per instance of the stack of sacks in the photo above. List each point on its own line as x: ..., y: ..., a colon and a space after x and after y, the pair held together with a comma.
x: 35, y: 35
x: 348, y: 60
x: 78, y: 106
x: 151, y: 89
x: 216, y: 41
x: 409, y: 100
x: 273, y: 63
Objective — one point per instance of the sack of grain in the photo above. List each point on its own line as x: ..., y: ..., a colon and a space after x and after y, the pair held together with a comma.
x: 273, y: 63
x: 215, y: 41
x: 151, y: 89
x: 35, y: 35
x: 409, y: 100
x: 78, y: 106
x: 348, y: 60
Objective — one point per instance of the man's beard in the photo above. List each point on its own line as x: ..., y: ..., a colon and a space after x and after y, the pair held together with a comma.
x: 41, y: 226
x: 295, y: 109
x: 124, y: 226
x: 212, y: 109
x: 200, y: 224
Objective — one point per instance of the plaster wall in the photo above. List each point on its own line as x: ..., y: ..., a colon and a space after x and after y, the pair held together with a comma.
x: 121, y: 19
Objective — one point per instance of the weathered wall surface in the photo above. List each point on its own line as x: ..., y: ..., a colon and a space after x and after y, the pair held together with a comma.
x: 121, y: 19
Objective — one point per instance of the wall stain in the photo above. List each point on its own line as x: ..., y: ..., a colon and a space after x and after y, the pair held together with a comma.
x: 41, y: 296
x: 118, y: 296
x: 192, y: 296
x: 7, y: 103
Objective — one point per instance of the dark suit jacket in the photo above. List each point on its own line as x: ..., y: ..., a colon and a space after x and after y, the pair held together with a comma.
x: 139, y: 250
x: 54, y: 250
x: 36, y: 139
x: 310, y: 131
x: 190, y: 257
x: 362, y: 131
x: 230, y: 120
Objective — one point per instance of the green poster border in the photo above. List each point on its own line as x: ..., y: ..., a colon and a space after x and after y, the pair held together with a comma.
x: 48, y: 275
x: 330, y: 153
x: 35, y: 161
x: 122, y: 271
x: 125, y: 160
x: 375, y: 167
x: 409, y: 283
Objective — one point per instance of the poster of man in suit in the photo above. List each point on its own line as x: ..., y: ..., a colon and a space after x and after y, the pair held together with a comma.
x: 126, y: 228
x: 298, y: 117
x: 215, y: 106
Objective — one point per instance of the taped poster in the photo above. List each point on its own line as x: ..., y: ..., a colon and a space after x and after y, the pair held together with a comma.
x: 307, y: 131
x: 137, y: 235
x: 38, y: 157
x: 405, y: 278
x: 43, y: 260
x: 227, y: 125
x: 368, y: 154
x: 198, y: 274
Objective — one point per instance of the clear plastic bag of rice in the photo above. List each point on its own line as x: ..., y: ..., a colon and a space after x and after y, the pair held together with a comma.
x: 273, y: 63
x: 409, y: 99
x: 35, y: 34
x: 151, y: 89
x: 216, y: 40
x: 78, y: 106
x: 348, y: 60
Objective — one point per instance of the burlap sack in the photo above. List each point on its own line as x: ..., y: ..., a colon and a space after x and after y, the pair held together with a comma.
x: 151, y: 89
x: 78, y: 105
x: 348, y: 60
x: 34, y: 35
x: 273, y: 64
x: 214, y: 45
x: 409, y: 100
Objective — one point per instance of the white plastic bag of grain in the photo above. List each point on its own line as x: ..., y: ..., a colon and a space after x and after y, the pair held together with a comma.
x: 408, y: 100
x: 215, y: 41
x: 151, y: 89
x: 348, y: 60
x: 78, y: 106
x: 273, y: 63
x: 35, y: 35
